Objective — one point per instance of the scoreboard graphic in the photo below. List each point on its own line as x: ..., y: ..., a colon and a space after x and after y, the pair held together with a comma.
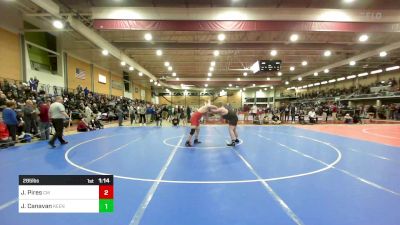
x: 66, y: 193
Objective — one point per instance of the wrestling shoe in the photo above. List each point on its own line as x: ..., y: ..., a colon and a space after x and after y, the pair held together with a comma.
x: 232, y: 144
x: 196, y: 141
x: 187, y: 144
x: 237, y: 141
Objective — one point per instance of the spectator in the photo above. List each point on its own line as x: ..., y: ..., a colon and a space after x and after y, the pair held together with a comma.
x: 312, y: 116
x: 142, y: 115
x: 254, y: 111
x: 5, y: 140
x: 120, y: 115
x: 348, y: 119
x: 44, y: 125
x: 10, y: 119
x: 132, y: 113
x: 29, y: 118
x: 149, y: 112
x: 188, y: 113
x: 83, y: 126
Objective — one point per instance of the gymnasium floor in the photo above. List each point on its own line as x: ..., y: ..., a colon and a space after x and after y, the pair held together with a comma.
x: 278, y: 175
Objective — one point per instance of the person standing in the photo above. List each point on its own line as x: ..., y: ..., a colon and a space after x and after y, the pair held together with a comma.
x: 188, y: 113
x: 228, y: 114
x: 120, y: 115
x: 195, y: 124
x: 44, y: 125
x: 58, y: 115
x: 10, y: 119
x: 132, y: 112
x: 28, y: 116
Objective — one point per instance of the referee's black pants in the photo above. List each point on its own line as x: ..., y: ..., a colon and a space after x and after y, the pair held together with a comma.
x: 58, y: 125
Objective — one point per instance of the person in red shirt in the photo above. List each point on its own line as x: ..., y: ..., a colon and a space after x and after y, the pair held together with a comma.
x: 5, y: 140
x: 195, y: 123
x: 44, y: 125
x: 83, y: 126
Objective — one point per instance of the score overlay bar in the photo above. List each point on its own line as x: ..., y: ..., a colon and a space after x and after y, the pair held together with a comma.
x: 66, y: 193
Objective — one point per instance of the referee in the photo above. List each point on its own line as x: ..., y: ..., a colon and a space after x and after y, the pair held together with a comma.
x: 58, y: 115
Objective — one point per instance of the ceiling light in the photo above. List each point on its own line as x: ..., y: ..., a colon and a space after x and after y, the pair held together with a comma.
x: 238, y: 79
x: 155, y: 82
x: 140, y: 74
x: 268, y: 79
x: 131, y: 68
x: 392, y: 68
x: 326, y: 71
x: 159, y: 52
x: 342, y: 78
x: 151, y: 80
x: 304, y: 63
x: 324, y: 82
x: 208, y: 79
x: 170, y: 68
x: 209, y: 74
x: 212, y: 63
x: 363, y: 38
x: 272, y: 87
x: 221, y: 37
x: 310, y: 85
x: 245, y: 74
x: 205, y: 85
x: 265, y: 89
x: 166, y: 64
x: 104, y: 52
x: 230, y: 85
x: 216, y: 53
x: 348, y: 1
x: 148, y: 37
x: 177, y: 78
x: 211, y: 69
x: 327, y: 53
x: 376, y: 71
x: 244, y: 89
x: 292, y: 68
x: 352, y: 63
x: 274, y: 53
x: 123, y: 63
x: 159, y: 84
x: 174, y: 74
x: 58, y: 24
x: 315, y: 74
x: 254, y: 85
x: 279, y: 74
x: 286, y: 82
x: 351, y: 77
x: 300, y: 79
x: 332, y: 81
x: 294, y: 37
x: 317, y: 84
x: 362, y: 74
x: 383, y: 54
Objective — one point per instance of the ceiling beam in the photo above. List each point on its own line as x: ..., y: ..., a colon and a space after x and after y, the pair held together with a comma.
x: 246, y: 14
x: 241, y: 25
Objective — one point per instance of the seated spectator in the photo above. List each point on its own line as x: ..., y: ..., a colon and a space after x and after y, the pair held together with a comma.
x: 5, y: 140
x: 83, y: 126
x: 96, y: 123
x: 357, y: 119
x: 312, y: 116
x: 175, y: 121
x: 348, y: 119
x: 275, y: 119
